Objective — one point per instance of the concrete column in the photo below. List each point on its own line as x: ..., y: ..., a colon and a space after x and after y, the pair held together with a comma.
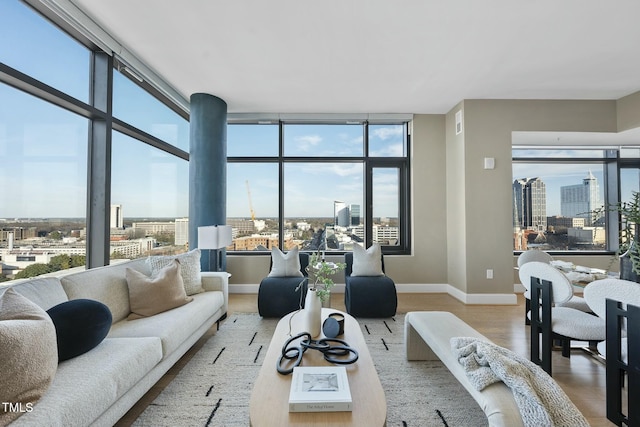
x: 207, y: 167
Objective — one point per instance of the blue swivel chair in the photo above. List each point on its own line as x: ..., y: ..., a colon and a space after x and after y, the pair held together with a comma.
x: 277, y: 296
x: 368, y: 296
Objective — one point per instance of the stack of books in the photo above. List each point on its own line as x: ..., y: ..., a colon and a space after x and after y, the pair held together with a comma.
x: 320, y: 389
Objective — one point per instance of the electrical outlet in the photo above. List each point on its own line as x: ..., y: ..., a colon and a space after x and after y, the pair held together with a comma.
x: 489, y: 273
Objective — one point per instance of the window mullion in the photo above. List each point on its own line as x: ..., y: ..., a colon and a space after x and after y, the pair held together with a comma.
x: 99, y: 163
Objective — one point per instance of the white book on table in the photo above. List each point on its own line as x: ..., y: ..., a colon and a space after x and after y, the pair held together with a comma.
x: 320, y: 389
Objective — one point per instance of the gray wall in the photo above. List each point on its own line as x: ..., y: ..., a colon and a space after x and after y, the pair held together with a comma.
x: 461, y: 213
x: 487, y: 239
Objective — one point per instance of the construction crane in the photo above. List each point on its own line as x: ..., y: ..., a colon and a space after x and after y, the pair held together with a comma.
x: 253, y: 214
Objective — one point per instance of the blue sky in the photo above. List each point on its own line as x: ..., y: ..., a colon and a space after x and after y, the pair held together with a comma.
x: 43, y: 153
x: 556, y: 176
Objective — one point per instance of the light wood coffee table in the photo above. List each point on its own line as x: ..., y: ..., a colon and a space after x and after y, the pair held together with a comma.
x: 269, y: 405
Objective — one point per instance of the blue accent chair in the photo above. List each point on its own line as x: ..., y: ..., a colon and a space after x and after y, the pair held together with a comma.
x: 368, y: 296
x: 277, y: 296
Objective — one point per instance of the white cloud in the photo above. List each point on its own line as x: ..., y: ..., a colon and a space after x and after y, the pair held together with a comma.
x: 307, y: 142
x: 388, y: 132
x: 391, y: 150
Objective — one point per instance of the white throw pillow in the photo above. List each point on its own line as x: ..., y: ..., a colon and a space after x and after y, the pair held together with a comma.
x: 285, y: 265
x: 189, y: 269
x: 367, y: 262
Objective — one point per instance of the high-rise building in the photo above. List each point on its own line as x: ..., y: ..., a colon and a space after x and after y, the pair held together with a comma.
x: 341, y: 213
x: 182, y: 231
x: 578, y: 201
x: 116, y: 219
x: 530, y: 204
x: 354, y: 213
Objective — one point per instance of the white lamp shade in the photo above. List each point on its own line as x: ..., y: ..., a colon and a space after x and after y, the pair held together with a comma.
x: 214, y: 236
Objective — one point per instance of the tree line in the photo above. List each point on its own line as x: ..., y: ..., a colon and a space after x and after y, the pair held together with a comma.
x: 57, y: 263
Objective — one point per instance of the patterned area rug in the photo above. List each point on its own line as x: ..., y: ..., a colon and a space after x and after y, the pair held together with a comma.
x: 214, y: 388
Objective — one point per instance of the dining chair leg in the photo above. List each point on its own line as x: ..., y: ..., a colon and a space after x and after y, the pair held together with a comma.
x: 566, y: 347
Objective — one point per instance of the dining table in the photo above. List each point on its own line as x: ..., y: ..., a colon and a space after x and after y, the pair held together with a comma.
x: 580, y: 275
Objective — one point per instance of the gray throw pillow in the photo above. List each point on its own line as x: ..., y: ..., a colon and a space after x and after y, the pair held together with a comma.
x: 189, y: 267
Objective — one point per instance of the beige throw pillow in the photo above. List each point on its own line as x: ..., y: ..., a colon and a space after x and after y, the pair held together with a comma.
x: 190, y: 269
x: 367, y: 263
x: 28, y: 354
x: 153, y: 295
x: 285, y: 265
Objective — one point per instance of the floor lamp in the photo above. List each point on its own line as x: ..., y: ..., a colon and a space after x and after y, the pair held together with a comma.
x: 214, y: 238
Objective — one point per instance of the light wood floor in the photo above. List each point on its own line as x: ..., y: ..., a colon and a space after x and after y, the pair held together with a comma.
x: 582, y: 377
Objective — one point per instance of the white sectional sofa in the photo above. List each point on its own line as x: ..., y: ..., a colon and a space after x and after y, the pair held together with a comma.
x: 100, y: 386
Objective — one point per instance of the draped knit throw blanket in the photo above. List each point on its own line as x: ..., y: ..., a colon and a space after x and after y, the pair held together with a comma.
x: 540, y: 399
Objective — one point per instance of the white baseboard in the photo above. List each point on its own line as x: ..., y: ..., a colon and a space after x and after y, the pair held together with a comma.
x: 493, y: 299
x: 418, y: 288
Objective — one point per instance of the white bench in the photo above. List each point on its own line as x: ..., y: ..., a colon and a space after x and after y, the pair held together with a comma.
x: 427, y: 336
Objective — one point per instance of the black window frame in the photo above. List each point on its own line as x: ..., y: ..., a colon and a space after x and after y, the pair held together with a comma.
x: 611, y: 163
x: 369, y: 162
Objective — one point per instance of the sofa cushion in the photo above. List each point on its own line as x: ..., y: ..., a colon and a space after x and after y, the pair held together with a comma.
x: 367, y: 262
x: 285, y: 265
x: 190, y: 263
x: 81, y: 324
x: 28, y: 354
x: 86, y: 386
x: 44, y: 291
x: 105, y: 284
x: 153, y: 295
x: 173, y: 326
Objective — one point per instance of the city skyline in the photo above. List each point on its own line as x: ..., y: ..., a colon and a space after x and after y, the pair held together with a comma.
x: 578, y: 200
x: 556, y: 176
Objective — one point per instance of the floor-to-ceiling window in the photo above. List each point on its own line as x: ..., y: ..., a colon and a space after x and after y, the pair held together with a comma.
x: 53, y: 121
x: 43, y: 147
x: 94, y: 162
x: 318, y: 186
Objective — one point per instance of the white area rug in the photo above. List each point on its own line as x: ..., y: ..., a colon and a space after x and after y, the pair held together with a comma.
x: 214, y: 388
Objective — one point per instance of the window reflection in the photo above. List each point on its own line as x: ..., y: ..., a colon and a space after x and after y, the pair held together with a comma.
x: 43, y: 174
x: 134, y: 105
x: 43, y: 158
x: 34, y: 46
x: 150, y: 191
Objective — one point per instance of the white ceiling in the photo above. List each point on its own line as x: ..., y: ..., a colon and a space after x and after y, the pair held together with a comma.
x: 380, y: 56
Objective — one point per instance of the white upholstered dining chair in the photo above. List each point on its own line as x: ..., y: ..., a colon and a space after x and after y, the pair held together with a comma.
x: 549, y: 288
x: 618, y: 301
x: 535, y: 255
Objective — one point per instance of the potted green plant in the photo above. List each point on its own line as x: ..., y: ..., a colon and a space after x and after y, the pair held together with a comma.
x: 320, y: 276
x: 629, y: 245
